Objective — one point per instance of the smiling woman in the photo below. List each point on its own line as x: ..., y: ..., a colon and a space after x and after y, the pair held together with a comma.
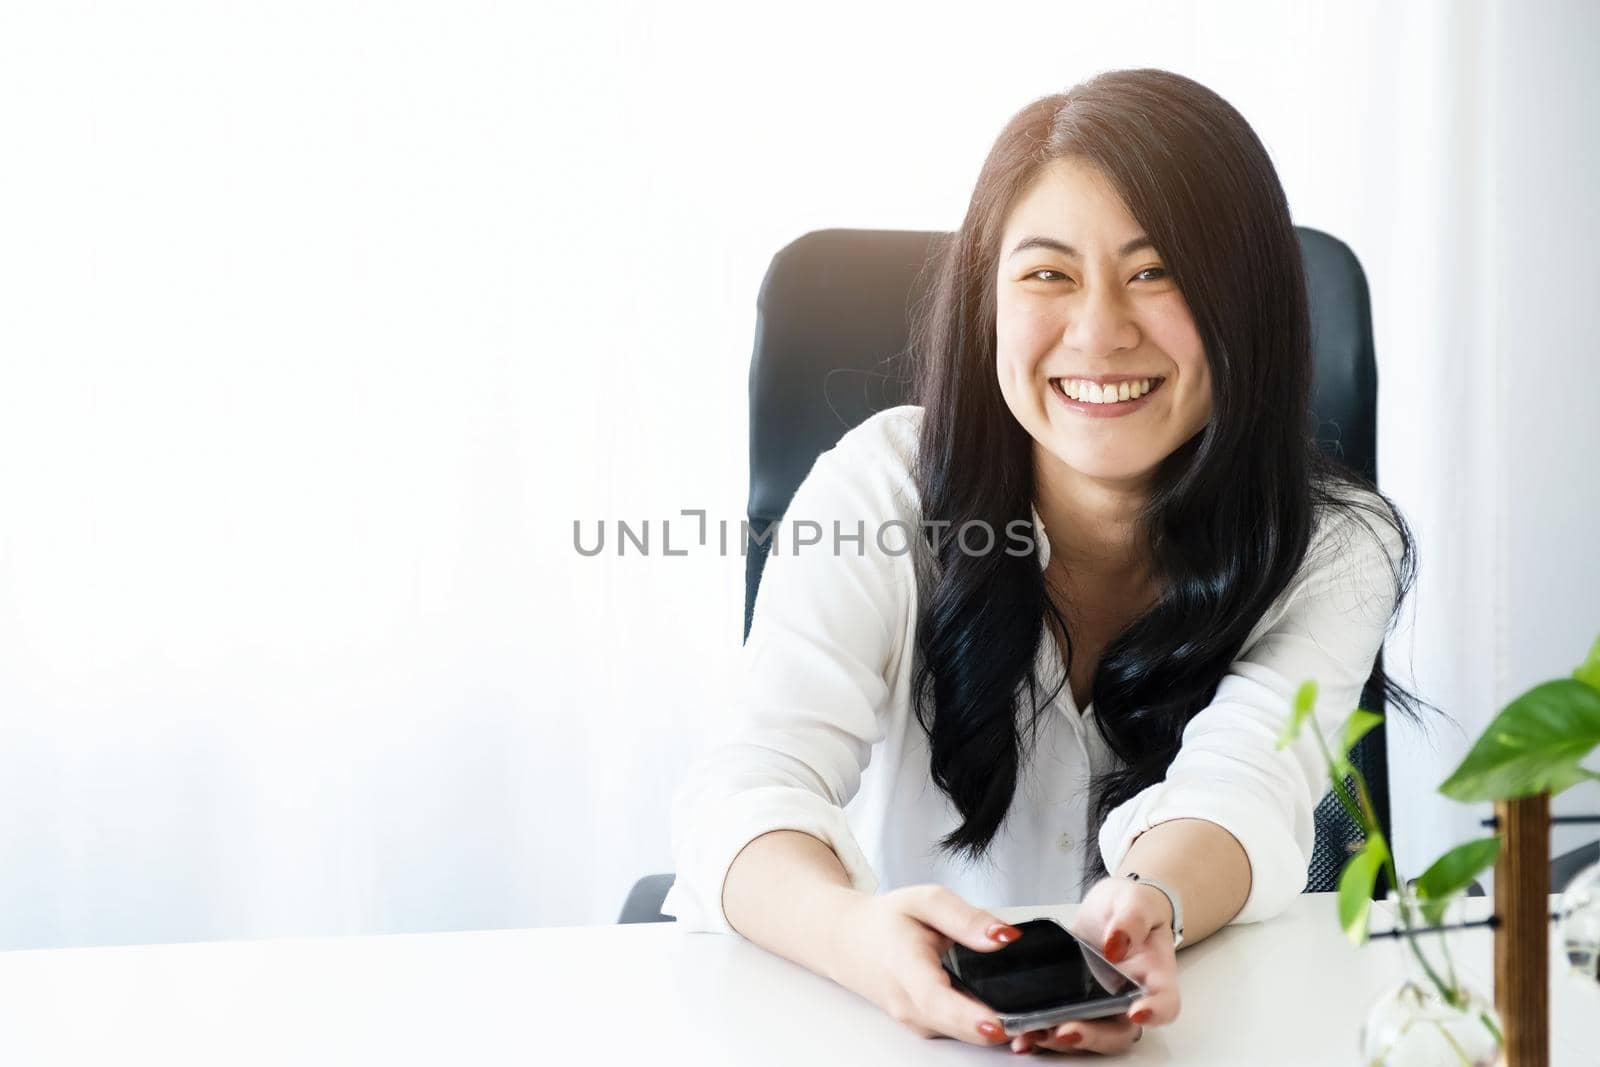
x: 1116, y: 351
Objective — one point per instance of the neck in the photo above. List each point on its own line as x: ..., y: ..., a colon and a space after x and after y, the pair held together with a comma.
x: 1093, y: 524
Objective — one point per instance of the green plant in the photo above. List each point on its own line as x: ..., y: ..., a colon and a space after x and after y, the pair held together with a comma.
x: 1534, y: 745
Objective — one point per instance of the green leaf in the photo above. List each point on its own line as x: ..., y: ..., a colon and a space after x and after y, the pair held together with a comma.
x: 1358, y: 726
x: 1304, y: 700
x: 1355, y: 888
x: 1453, y: 872
x: 1588, y: 671
x: 1533, y: 746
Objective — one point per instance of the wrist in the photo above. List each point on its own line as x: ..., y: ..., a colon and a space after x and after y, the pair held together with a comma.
x: 1173, y: 910
x: 834, y: 913
x: 1163, y: 903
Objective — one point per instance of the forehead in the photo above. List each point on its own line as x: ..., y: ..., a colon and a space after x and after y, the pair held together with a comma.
x: 1071, y: 200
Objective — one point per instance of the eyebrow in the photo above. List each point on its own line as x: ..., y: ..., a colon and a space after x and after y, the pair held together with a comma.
x: 1136, y: 245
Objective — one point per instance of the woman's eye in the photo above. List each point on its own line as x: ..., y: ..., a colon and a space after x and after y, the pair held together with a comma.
x: 1057, y: 274
x: 1160, y: 271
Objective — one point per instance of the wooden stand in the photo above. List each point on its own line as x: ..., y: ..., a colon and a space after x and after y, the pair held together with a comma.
x: 1522, y: 939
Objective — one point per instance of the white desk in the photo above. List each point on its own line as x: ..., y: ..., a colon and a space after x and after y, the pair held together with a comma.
x: 1288, y: 992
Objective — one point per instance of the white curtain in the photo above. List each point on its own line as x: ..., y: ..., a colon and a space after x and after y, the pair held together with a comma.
x: 322, y: 323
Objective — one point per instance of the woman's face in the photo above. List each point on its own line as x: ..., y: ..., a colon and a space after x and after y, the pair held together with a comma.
x: 1085, y: 317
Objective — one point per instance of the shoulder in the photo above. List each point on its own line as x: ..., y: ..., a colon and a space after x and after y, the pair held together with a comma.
x: 1357, y: 536
x: 840, y: 567
x: 1354, y: 571
x: 873, y: 463
x: 887, y: 438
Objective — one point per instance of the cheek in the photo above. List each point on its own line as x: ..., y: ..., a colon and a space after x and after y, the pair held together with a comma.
x: 1172, y: 327
x: 1175, y: 332
x: 1023, y: 332
x: 1199, y: 400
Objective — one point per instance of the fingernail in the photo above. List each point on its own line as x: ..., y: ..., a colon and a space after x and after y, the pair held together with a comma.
x: 1140, y: 1016
x: 991, y: 1030
x: 1004, y: 934
x: 1071, y: 1037
x: 1116, y: 946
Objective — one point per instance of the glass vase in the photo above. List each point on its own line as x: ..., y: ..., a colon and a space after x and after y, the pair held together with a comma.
x: 1414, y: 1025
x: 1580, y: 922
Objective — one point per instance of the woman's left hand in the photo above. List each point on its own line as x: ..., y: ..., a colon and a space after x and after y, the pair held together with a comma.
x: 1131, y: 925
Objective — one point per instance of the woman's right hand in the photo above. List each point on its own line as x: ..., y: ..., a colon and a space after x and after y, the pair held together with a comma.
x: 888, y: 947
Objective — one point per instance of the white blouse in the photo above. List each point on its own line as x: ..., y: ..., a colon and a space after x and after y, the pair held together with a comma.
x: 827, y: 742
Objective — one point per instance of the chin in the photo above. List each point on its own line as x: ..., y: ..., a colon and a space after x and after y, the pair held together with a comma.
x: 1103, y: 468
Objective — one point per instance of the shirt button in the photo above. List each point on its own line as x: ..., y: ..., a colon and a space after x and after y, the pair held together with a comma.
x: 1064, y: 842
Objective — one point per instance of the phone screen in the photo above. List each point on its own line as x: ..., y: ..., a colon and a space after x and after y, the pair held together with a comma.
x: 1044, y: 968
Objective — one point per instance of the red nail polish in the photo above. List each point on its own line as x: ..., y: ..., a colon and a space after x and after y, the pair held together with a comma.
x: 1070, y: 1038
x: 991, y: 1030
x: 1003, y: 933
x: 1140, y: 1016
x: 1116, y: 946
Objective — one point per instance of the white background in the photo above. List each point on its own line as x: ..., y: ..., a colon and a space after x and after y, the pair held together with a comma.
x: 320, y: 324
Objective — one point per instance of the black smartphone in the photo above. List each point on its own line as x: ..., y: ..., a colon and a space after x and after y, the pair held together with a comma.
x: 1046, y: 976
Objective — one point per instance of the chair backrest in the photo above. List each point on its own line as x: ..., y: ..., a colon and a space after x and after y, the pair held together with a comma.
x: 832, y: 327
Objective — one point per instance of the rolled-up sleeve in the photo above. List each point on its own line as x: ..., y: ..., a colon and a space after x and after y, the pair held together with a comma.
x: 1229, y: 770
x: 811, y: 692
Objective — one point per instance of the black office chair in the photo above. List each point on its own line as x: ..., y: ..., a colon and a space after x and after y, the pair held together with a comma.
x: 832, y: 330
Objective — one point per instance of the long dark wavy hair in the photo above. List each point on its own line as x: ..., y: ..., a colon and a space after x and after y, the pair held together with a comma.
x: 1232, y: 512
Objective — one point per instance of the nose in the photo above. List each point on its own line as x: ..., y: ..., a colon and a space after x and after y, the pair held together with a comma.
x: 1100, y: 324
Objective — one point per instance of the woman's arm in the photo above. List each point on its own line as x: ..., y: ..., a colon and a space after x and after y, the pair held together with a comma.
x: 785, y: 892
x: 1202, y: 863
x: 1229, y: 771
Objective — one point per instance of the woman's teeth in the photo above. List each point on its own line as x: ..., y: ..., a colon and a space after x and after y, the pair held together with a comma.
x: 1094, y: 393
